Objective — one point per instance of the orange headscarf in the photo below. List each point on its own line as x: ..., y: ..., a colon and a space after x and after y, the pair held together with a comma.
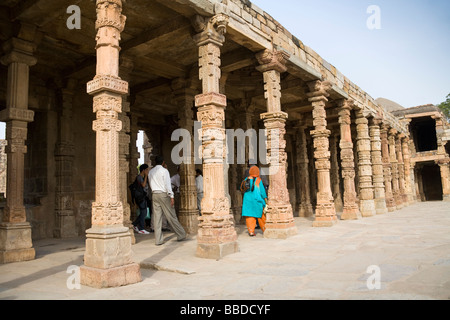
x: 254, y: 173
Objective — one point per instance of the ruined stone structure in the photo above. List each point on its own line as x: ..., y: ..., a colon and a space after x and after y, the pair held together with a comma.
x: 74, y: 101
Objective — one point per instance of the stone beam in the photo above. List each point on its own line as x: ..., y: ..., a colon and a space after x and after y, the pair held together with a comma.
x: 142, y: 44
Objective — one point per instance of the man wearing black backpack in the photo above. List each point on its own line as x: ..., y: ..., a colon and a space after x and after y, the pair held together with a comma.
x: 141, y: 189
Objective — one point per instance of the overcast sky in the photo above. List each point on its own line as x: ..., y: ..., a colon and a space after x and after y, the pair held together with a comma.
x: 407, y: 60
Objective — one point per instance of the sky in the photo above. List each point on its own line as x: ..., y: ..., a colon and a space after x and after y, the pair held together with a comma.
x: 406, y: 60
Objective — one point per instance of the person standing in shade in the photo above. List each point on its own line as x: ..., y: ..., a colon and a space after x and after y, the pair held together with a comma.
x: 163, y: 202
x: 199, y: 184
x: 254, y: 202
x: 142, y: 184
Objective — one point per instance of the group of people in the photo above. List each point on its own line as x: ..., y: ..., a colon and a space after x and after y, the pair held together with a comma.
x: 163, y: 201
x: 163, y: 189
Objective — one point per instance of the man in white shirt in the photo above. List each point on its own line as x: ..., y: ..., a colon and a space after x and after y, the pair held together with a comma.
x: 163, y: 202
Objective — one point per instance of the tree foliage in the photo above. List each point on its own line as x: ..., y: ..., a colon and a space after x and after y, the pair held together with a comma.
x: 445, y: 107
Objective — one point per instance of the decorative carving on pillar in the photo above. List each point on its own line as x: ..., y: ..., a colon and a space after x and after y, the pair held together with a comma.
x: 217, y: 236
x: 108, y: 257
x: 401, y: 169
x: 15, y: 232
x: 325, y: 209
x: 280, y: 217
x: 407, y: 167
x: 395, y: 174
x: 351, y: 208
x: 366, y: 190
x: 377, y: 167
x: 387, y: 168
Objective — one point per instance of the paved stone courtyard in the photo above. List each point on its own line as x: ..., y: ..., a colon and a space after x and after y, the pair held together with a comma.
x: 411, y: 248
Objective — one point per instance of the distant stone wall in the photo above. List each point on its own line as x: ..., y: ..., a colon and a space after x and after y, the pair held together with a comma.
x: 2, y: 169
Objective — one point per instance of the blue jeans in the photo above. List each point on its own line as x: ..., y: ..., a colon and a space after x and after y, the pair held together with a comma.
x: 140, y: 221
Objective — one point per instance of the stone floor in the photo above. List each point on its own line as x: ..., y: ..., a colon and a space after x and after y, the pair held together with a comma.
x: 410, y: 248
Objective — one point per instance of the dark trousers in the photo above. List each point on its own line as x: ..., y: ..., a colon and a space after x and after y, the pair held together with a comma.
x: 140, y: 221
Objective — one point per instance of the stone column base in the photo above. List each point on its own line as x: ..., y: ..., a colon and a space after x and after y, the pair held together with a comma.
x: 189, y: 220
x: 108, y: 258
x: 280, y: 222
x: 380, y: 206
x: 446, y: 198
x: 284, y: 233
x: 110, y: 278
x: 351, y: 213
x: 216, y: 251
x: 306, y: 211
x: 367, y: 208
x: 67, y: 228
x: 325, y: 214
x: 15, y: 243
x: 324, y: 222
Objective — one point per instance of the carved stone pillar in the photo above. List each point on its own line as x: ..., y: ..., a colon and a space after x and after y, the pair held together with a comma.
x: 395, y: 174
x: 408, y: 176
x: 280, y: 217
x: 15, y: 231
x: 444, y: 164
x: 401, y: 169
x: 305, y: 206
x: 325, y: 209
x: 366, y: 190
x: 387, y: 168
x: 217, y: 236
x: 351, y: 208
x: 188, y: 214
x: 108, y: 257
x: 334, y: 171
x: 377, y: 168
x: 64, y: 156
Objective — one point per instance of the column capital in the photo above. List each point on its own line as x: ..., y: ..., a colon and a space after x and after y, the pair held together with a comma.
x: 319, y: 90
x: 109, y: 14
x: 280, y: 115
x: 345, y: 104
x: 20, y: 51
x: 210, y: 30
x: 443, y: 162
x: 272, y: 60
x: 16, y: 114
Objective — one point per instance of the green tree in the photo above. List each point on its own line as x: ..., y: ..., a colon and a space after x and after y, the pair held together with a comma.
x: 445, y: 107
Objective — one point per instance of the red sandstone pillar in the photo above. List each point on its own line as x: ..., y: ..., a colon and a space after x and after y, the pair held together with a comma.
x: 325, y: 209
x: 15, y: 231
x: 217, y: 236
x: 280, y: 218
x: 351, y: 209
x: 108, y: 257
x: 387, y: 168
